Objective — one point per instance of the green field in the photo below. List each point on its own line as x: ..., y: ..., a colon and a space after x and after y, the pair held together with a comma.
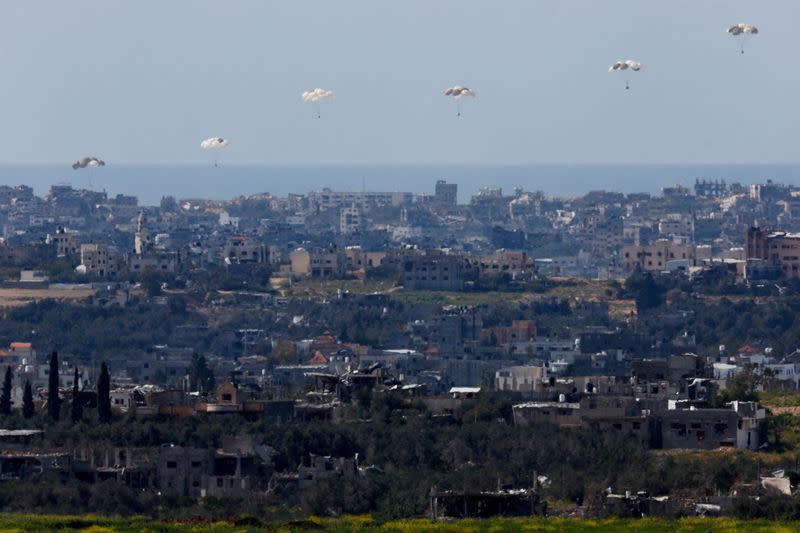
x: 94, y: 524
x: 564, y: 288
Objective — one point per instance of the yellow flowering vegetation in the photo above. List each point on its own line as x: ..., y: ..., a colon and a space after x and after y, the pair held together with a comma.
x: 96, y: 524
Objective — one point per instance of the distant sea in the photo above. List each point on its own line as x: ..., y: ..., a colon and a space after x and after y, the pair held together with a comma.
x: 151, y: 182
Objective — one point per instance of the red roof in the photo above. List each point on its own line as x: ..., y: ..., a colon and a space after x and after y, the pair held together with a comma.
x: 318, y: 359
x: 21, y: 346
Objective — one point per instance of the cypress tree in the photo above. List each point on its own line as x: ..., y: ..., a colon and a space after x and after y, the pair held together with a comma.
x: 5, y: 397
x: 28, y: 409
x: 77, y: 405
x: 53, y: 401
x: 199, y: 374
x: 104, y: 395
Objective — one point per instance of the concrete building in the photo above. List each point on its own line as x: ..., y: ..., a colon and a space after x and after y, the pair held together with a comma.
x: 181, y: 470
x: 738, y: 426
x: 315, y: 468
x: 654, y: 258
x: 520, y: 378
x: 520, y: 331
x: 146, y: 256
x: 160, y: 364
x: 239, y: 249
x: 455, y: 326
x: 515, y: 264
x: 238, y: 468
x: 709, y: 188
x: 436, y: 271
x: 359, y: 260
x: 776, y: 250
x: 445, y: 194
x: 602, y: 412
x: 158, y: 261
x: 99, y: 260
x: 350, y: 220
x: 327, y: 199
x: 325, y: 263
x: 65, y: 243
x: 300, y: 262
x: 676, y: 224
x: 33, y: 276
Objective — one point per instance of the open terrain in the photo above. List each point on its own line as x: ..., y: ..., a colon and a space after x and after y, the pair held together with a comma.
x: 15, y: 297
x: 95, y: 524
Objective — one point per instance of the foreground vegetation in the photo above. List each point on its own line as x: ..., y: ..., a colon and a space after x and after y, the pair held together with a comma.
x: 413, y: 451
x: 95, y: 524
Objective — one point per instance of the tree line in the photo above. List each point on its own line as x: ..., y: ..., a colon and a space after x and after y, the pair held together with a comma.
x: 79, y: 400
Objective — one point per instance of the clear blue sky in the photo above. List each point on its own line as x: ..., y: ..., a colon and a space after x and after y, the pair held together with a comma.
x: 145, y: 81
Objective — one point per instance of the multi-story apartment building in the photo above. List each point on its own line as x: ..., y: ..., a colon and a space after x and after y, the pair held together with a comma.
x: 776, y: 250
x: 99, y: 260
x: 239, y: 250
x: 654, y: 257
x: 327, y: 199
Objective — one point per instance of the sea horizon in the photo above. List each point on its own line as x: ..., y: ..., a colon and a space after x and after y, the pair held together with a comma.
x: 149, y: 182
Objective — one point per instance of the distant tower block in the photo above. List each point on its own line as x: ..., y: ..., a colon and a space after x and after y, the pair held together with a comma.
x: 446, y: 194
x: 710, y: 188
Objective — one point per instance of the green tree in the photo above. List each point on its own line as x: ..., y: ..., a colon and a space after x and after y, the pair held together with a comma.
x: 28, y: 409
x: 201, y: 376
x: 5, y: 397
x: 77, y: 403
x: 104, y: 395
x: 53, y: 400
x: 744, y: 386
x: 285, y: 352
x: 647, y: 293
x: 151, y: 281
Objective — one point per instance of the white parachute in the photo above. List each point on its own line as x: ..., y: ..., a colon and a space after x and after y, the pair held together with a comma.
x: 458, y: 93
x: 214, y: 143
x: 627, y: 66
x: 742, y: 31
x: 316, y: 97
x: 89, y: 162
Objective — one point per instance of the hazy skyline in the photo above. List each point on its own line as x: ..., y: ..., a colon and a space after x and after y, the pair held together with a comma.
x: 145, y: 82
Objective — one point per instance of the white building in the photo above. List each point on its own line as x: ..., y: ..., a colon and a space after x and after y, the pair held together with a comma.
x: 725, y: 370
x: 350, y: 220
x: 520, y: 378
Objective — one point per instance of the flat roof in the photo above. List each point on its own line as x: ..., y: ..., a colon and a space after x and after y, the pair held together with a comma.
x: 536, y: 405
x: 19, y: 432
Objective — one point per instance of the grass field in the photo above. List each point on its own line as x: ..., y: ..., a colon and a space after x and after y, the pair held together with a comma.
x: 778, y: 400
x: 568, y: 289
x: 94, y: 524
x: 13, y: 297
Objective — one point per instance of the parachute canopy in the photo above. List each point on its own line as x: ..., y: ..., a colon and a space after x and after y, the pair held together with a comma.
x: 742, y: 29
x: 458, y: 92
x: 317, y: 95
x: 88, y: 161
x: 625, y: 65
x: 214, y: 142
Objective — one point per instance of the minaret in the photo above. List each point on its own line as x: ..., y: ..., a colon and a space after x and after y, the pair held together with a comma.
x: 142, y: 240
